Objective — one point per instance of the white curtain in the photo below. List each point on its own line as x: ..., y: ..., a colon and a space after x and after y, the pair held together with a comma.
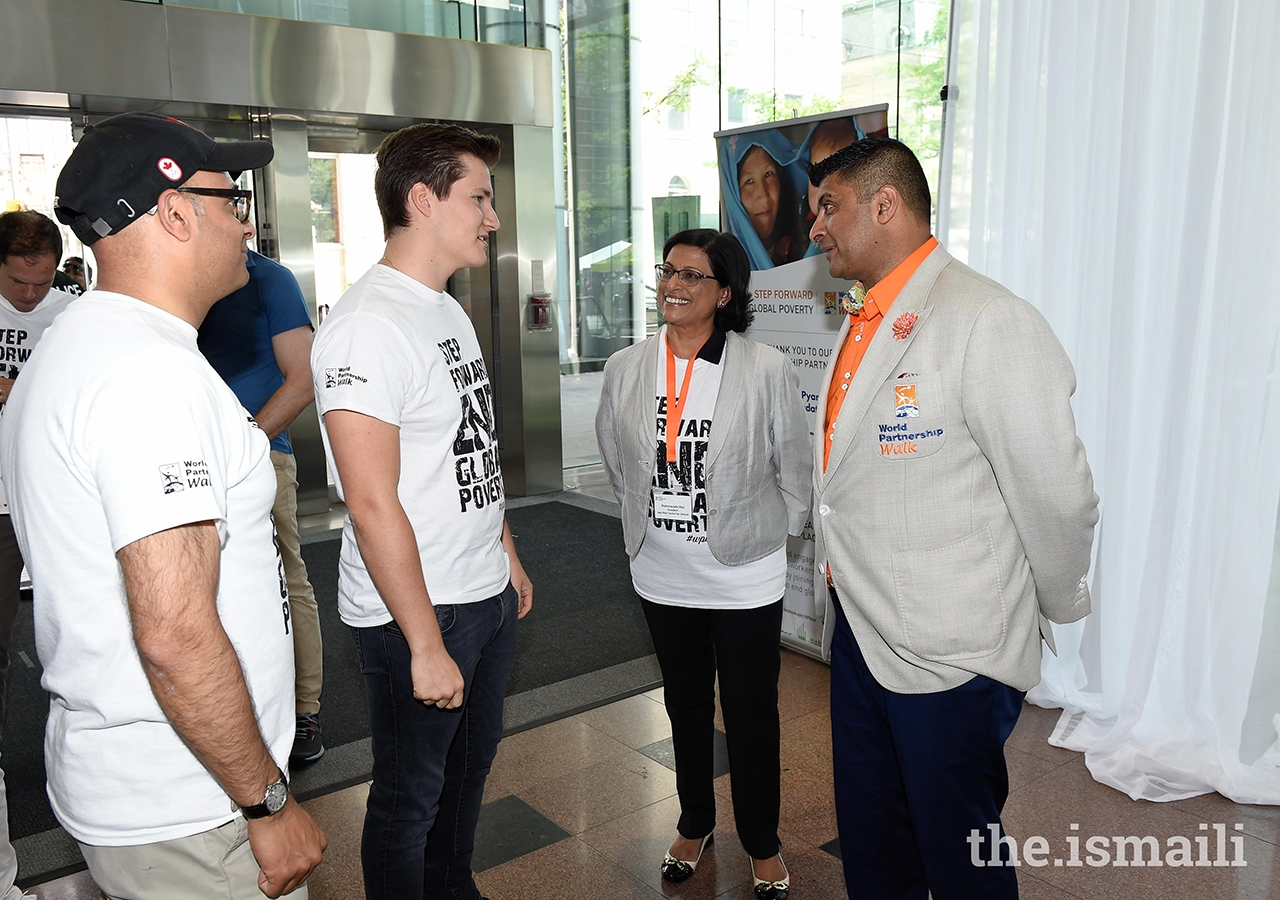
x: 1117, y: 163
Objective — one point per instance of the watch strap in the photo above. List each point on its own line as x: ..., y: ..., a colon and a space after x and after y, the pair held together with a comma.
x: 262, y: 810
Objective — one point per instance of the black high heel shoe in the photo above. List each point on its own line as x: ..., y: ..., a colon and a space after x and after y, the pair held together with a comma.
x: 678, y: 870
x: 770, y: 890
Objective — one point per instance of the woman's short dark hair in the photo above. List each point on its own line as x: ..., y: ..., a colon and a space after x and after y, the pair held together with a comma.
x: 729, y: 266
x: 429, y: 154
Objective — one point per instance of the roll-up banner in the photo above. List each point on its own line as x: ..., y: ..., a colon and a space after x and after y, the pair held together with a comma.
x: 765, y: 202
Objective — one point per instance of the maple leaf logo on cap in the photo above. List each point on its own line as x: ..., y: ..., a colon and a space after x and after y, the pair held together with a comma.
x: 169, y: 169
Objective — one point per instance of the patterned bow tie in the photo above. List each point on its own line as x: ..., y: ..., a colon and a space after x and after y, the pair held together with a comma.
x: 851, y: 302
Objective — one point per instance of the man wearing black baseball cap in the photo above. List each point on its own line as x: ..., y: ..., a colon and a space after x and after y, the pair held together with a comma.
x: 141, y: 494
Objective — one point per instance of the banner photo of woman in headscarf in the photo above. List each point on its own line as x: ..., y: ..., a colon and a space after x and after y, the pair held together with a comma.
x: 764, y: 179
x: 761, y: 187
x: 765, y: 202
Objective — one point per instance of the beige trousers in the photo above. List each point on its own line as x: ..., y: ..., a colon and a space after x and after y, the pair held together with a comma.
x: 304, y: 615
x: 216, y: 864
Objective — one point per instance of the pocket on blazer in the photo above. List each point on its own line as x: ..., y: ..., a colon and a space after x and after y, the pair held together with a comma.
x: 910, y: 417
x: 950, y: 600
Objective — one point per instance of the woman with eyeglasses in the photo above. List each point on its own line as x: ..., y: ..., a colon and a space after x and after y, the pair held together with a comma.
x: 706, y: 443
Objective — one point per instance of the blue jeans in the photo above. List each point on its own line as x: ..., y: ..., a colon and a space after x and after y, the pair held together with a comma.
x: 430, y: 764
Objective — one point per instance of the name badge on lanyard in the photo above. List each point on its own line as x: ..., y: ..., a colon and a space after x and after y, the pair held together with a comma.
x: 675, y: 404
x: 668, y: 504
x: 672, y: 505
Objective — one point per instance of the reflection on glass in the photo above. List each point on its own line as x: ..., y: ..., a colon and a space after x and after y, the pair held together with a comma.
x: 501, y: 22
x: 924, y: 69
x: 346, y: 228
x: 600, y: 158
x: 32, y: 153
x: 324, y: 200
x: 442, y: 18
x: 779, y: 59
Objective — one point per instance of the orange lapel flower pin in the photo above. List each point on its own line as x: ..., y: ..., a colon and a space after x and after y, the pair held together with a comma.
x: 903, y: 324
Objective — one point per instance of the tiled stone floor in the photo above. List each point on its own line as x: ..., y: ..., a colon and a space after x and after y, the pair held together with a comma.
x: 582, y: 808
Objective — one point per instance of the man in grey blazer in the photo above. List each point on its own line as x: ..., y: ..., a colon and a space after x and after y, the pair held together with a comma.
x: 954, y: 513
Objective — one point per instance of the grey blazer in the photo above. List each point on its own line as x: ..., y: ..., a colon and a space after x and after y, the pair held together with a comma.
x: 758, y: 460
x: 957, y: 507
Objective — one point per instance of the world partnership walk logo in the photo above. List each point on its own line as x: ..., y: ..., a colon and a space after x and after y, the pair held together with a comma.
x: 905, y: 405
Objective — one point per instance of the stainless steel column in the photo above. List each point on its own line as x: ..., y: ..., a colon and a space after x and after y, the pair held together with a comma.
x: 524, y: 364
x: 537, y: 393
x: 284, y: 190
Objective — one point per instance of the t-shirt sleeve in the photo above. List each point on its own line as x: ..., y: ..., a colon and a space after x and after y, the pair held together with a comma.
x: 285, y: 305
x: 158, y: 455
x: 362, y: 363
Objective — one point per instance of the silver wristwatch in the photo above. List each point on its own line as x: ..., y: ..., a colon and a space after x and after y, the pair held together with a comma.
x: 272, y: 803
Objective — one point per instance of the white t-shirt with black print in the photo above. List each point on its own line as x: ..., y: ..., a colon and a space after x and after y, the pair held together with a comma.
x: 402, y: 353
x: 675, y: 566
x: 19, y: 333
x: 119, y: 429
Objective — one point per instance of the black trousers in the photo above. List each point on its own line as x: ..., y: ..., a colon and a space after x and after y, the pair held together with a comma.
x: 917, y: 777
x: 742, y: 645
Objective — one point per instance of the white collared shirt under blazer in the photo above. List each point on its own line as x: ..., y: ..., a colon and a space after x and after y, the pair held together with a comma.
x: 957, y: 506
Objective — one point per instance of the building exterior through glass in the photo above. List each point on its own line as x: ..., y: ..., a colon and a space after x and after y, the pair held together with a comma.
x: 644, y: 86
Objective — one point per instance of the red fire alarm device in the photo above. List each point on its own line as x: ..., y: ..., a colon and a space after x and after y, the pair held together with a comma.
x: 540, y: 311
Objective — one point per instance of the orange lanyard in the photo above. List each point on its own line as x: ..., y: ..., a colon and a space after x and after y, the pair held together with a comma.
x: 675, y: 405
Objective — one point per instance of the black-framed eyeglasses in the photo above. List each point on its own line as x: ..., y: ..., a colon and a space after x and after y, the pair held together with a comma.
x: 239, y: 198
x: 688, y: 277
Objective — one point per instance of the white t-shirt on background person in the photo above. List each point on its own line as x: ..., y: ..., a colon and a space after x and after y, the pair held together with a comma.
x: 119, y: 429
x: 19, y: 333
x: 398, y: 351
x: 674, y: 565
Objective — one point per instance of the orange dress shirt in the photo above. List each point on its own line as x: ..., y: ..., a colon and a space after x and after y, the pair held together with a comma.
x: 862, y: 327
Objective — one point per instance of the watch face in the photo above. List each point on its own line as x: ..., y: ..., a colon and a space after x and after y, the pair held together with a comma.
x: 276, y: 795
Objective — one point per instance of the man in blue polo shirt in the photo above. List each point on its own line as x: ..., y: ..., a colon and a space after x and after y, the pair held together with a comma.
x: 259, y: 340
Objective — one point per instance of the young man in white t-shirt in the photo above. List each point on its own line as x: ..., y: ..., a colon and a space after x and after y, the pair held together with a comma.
x: 30, y: 247
x: 429, y: 580
x: 141, y: 494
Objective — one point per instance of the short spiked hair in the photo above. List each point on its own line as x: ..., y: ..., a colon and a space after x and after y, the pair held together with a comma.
x: 430, y: 154
x: 871, y: 163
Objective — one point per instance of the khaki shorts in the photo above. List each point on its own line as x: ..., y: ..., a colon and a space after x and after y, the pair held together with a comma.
x: 215, y: 864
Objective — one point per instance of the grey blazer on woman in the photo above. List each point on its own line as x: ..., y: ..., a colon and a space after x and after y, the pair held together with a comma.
x: 957, y: 508
x: 759, y: 459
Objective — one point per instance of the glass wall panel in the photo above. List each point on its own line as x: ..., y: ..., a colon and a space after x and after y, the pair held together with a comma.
x: 644, y: 87
x: 600, y: 157
x: 600, y: 92
x: 710, y: 65
x: 502, y: 22
x: 346, y: 228
x: 441, y: 18
x: 707, y: 66
x: 32, y: 153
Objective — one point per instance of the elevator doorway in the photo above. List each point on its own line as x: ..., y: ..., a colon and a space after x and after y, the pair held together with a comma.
x: 347, y: 238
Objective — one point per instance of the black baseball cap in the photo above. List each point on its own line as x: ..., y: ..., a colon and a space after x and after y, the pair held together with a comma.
x: 121, y: 166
